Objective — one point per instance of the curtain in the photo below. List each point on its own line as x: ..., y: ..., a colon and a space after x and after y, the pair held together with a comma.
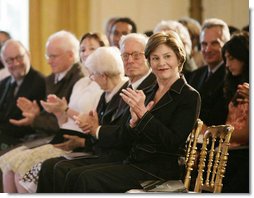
x: 49, y: 16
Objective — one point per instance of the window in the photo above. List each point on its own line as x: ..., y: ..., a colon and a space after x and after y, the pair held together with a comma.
x: 14, y: 19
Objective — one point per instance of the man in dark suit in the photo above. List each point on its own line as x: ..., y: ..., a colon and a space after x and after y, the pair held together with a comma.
x: 209, y: 80
x: 140, y: 78
x: 23, y: 82
x: 108, y: 146
x: 66, y: 71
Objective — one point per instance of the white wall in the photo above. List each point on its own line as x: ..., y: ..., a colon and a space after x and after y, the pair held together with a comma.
x: 147, y: 13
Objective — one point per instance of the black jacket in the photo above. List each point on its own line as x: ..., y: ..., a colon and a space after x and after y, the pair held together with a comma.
x: 113, y: 136
x: 213, y: 107
x: 46, y: 122
x: 33, y: 87
x: 161, y: 134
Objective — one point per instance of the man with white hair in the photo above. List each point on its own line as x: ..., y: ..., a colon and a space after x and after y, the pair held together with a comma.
x: 132, y: 47
x: 62, y: 54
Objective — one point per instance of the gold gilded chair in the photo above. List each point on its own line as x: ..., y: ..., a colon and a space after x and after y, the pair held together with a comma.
x: 176, y: 185
x: 215, y: 147
x: 191, y: 152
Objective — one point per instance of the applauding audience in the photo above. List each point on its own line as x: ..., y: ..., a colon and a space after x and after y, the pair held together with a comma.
x: 84, y: 97
x: 129, y: 107
x: 156, y: 138
x: 111, y: 147
x: 62, y: 53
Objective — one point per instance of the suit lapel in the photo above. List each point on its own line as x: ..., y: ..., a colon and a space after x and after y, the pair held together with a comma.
x: 111, y: 108
x: 8, y: 102
x: 165, y: 100
x: 122, y: 106
x: 113, y: 105
x: 212, y: 82
x: 23, y: 87
x: 5, y: 91
x: 202, y: 79
x: 147, y: 82
x: 167, y: 97
x: 101, y: 107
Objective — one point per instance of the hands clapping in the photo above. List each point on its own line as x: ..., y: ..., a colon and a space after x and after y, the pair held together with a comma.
x: 243, y: 91
x: 54, y: 104
x: 30, y: 109
x: 136, y: 100
x: 88, y: 122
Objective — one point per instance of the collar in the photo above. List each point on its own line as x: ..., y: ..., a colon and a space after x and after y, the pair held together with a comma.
x: 19, y: 82
x: 178, y: 84
x: 109, y: 95
x: 61, y: 75
x: 215, y: 68
x: 138, y: 82
x: 176, y: 87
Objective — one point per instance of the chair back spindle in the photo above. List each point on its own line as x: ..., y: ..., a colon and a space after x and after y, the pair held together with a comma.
x: 215, y: 147
x: 191, y: 152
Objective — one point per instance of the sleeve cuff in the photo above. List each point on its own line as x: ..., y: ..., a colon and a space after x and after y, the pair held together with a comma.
x: 97, y: 133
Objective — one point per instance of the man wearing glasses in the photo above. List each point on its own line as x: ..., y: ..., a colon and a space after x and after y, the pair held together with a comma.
x: 24, y: 81
x: 132, y: 48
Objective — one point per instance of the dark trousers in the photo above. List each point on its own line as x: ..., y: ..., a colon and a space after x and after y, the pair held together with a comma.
x: 88, y: 175
x: 236, y: 178
x: 106, y: 178
x: 54, y: 171
x: 11, y: 135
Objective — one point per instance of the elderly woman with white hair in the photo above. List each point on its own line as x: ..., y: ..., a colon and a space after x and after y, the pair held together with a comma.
x: 182, y: 31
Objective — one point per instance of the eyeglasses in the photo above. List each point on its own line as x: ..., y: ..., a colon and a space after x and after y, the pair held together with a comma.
x: 52, y: 56
x: 134, y: 55
x: 18, y: 58
x: 92, y: 76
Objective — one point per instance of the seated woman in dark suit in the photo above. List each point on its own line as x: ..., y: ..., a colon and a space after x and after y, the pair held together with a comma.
x: 159, y: 126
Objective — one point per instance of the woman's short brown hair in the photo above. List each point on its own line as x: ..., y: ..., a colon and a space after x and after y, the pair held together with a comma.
x: 101, y: 38
x: 170, y: 39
